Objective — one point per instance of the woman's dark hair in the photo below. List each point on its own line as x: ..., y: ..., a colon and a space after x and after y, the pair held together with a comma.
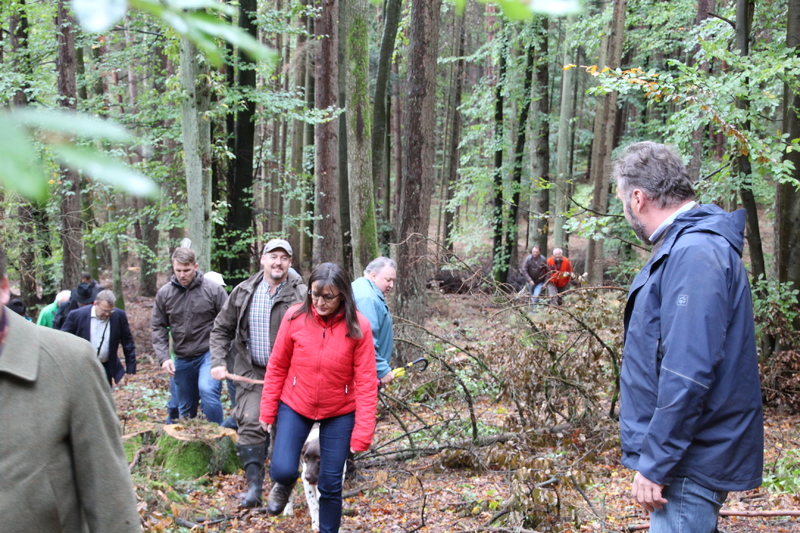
x: 332, y: 275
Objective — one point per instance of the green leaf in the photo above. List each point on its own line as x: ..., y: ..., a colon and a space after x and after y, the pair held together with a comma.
x: 20, y: 170
x: 72, y: 124
x: 214, y: 27
x: 104, y: 168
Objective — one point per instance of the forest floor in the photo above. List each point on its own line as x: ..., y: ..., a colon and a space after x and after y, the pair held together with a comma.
x: 439, y: 490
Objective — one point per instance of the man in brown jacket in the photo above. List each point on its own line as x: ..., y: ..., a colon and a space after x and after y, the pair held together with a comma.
x: 249, y: 322
x: 186, y: 308
x: 61, y: 458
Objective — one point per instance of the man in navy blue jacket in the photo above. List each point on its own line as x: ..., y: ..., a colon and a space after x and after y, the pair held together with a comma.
x: 690, y: 408
x: 106, y: 327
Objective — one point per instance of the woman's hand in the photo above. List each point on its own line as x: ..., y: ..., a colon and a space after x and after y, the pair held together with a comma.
x: 266, y: 427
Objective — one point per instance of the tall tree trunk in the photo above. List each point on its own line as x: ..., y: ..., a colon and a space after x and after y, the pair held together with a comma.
x: 113, y: 245
x: 538, y: 226
x: 326, y: 165
x: 499, y: 263
x: 391, y: 21
x: 344, y: 191
x: 71, y: 231
x: 296, y: 181
x: 306, y: 241
x: 788, y: 248
x: 363, y: 228
x: 603, y: 142
x: 418, y: 167
x: 240, y: 184
x: 455, y: 134
x: 196, y: 150
x: 26, y: 266
x: 744, y: 18
x: 704, y: 10
x: 562, y: 157
x: 519, y: 151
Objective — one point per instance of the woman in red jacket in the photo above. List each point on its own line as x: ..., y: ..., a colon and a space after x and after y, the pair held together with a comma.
x: 321, y: 369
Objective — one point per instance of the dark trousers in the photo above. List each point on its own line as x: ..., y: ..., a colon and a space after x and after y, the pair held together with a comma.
x: 292, y: 430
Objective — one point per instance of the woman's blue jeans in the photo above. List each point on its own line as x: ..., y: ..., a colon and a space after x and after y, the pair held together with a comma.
x: 291, y: 431
x: 193, y: 383
x: 690, y: 508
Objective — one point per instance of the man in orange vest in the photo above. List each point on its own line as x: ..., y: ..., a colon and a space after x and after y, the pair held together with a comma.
x: 560, y: 276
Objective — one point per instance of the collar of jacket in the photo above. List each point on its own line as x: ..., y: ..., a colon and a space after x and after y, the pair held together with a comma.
x: 376, y: 289
x: 20, y: 350
x: 332, y: 321
x: 198, y: 279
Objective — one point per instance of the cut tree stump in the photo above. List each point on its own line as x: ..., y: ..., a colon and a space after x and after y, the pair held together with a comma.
x: 195, y: 449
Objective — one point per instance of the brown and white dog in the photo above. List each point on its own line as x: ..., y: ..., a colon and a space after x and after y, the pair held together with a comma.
x: 310, y: 464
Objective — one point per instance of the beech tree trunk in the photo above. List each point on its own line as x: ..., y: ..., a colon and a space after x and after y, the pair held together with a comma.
x: 562, y: 156
x: 418, y: 166
x: 363, y: 227
x: 538, y: 226
x: 499, y: 262
x: 196, y: 153
x: 603, y: 143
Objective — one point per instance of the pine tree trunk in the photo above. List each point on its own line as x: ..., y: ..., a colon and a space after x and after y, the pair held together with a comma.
x: 538, y: 227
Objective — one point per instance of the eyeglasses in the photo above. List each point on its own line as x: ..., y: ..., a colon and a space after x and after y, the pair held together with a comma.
x: 327, y: 297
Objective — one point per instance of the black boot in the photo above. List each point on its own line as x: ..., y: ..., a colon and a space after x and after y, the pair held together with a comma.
x: 253, y: 460
x: 278, y: 498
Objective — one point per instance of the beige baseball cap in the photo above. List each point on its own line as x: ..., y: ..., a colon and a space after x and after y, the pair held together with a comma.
x: 274, y: 244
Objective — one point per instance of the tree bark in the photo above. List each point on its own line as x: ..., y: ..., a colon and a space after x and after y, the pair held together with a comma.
x: 538, y: 227
x: 363, y: 227
x: 519, y: 151
x: 788, y: 248
x: 196, y: 149
x: 418, y: 168
x: 455, y: 135
x: 327, y: 225
x: 296, y: 175
x: 603, y: 143
x: 499, y: 263
x: 240, y: 184
x: 71, y: 231
x: 562, y: 157
x: 391, y: 21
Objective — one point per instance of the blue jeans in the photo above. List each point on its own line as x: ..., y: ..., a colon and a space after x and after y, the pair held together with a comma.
x: 691, y: 508
x: 536, y: 290
x: 193, y: 383
x: 291, y: 431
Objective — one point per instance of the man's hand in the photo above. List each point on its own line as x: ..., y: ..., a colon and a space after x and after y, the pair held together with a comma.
x: 219, y: 372
x: 169, y: 366
x: 266, y: 427
x: 646, y: 493
x: 387, y: 378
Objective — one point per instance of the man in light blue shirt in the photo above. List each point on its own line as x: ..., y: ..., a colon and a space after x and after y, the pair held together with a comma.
x: 369, y: 292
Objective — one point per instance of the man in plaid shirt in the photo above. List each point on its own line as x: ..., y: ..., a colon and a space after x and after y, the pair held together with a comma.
x: 249, y: 323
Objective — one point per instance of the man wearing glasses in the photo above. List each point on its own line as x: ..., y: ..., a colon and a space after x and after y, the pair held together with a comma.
x: 249, y: 322
x: 106, y: 327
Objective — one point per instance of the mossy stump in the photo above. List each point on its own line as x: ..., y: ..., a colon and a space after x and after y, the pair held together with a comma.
x: 195, y: 449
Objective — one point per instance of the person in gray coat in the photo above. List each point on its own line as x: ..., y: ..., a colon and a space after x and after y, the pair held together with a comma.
x: 61, y: 458
x: 691, y: 420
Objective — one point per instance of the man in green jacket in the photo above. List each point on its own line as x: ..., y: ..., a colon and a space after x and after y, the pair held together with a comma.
x: 48, y: 312
x: 243, y: 334
x: 61, y: 457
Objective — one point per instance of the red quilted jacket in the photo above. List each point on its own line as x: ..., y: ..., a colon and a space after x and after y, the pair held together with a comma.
x: 319, y: 372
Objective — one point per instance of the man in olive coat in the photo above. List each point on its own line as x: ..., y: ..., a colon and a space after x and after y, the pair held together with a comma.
x: 61, y: 460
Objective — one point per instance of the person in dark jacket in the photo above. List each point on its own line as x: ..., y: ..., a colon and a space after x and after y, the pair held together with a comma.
x: 535, y: 271
x: 691, y: 418
x: 106, y: 327
x: 185, y: 309
x: 242, y: 339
